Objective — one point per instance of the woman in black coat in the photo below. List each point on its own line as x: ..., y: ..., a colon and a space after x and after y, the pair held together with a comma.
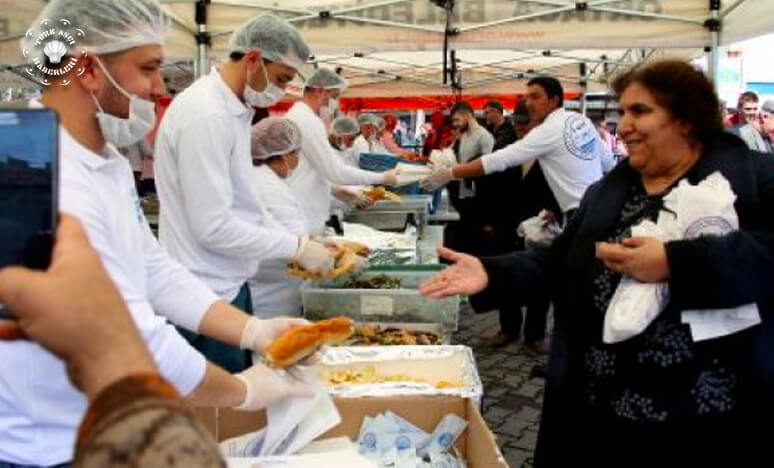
x: 659, y: 398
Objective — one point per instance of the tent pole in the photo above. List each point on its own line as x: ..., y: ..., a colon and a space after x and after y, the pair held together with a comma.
x: 201, y: 64
x: 584, y: 86
x: 714, y: 26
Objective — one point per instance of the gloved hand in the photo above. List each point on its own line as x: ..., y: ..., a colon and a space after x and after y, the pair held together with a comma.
x: 362, y: 200
x: 315, y: 257
x: 439, y: 178
x: 390, y: 177
x: 265, y: 386
x: 353, y: 197
x: 259, y: 334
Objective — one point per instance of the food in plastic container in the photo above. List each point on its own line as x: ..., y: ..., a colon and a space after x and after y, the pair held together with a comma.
x: 372, y: 334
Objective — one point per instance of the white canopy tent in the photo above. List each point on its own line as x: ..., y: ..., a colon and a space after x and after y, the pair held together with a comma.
x: 395, y: 47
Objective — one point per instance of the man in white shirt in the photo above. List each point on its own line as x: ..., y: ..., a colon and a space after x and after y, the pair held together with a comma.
x: 319, y: 166
x: 211, y: 220
x: 103, y: 103
x: 570, y: 151
x: 344, y: 131
x: 363, y: 142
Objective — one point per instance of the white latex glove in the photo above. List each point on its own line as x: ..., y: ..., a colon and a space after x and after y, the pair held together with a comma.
x: 352, y: 197
x: 362, y: 200
x: 259, y: 334
x: 390, y: 177
x: 439, y: 178
x: 313, y: 256
x: 265, y: 386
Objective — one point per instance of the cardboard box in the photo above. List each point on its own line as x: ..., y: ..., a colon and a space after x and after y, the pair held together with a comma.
x: 477, y: 444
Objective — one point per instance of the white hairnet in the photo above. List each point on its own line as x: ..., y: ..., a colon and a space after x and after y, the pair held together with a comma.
x: 274, y: 136
x: 380, y: 123
x: 367, y: 118
x: 326, y: 79
x: 345, y: 126
x: 100, y: 26
x: 278, y: 40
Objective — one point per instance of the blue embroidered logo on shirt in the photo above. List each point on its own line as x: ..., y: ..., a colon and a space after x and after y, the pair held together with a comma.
x: 580, y: 138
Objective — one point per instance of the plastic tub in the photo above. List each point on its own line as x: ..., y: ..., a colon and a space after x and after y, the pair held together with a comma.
x: 404, y: 305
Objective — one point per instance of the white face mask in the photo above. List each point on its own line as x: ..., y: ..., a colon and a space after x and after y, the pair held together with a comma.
x: 270, y: 95
x: 124, y: 132
x: 328, y: 112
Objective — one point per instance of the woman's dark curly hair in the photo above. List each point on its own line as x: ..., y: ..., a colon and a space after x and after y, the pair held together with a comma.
x: 684, y: 91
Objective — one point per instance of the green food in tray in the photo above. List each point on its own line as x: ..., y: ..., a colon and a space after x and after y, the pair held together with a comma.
x: 376, y: 282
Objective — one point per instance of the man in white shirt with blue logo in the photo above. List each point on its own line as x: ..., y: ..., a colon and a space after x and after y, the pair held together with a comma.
x: 568, y: 146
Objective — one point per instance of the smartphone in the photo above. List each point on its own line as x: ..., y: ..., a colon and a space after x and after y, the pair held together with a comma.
x: 29, y: 153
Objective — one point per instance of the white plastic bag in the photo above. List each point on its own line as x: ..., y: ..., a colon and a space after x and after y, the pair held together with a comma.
x: 540, y: 230
x: 443, y: 158
x: 690, y: 211
x: 635, y: 305
x: 708, y: 209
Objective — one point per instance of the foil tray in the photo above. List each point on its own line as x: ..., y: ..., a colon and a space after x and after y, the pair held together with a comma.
x: 344, y: 356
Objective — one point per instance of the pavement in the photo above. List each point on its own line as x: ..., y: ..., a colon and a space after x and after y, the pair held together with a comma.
x: 512, y: 399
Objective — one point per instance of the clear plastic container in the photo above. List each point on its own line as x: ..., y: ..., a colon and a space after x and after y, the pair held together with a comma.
x: 404, y: 305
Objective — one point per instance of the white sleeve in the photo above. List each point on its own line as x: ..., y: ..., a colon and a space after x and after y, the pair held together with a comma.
x: 173, y: 291
x: 205, y: 182
x: 538, y: 142
x: 319, y: 153
x: 177, y: 361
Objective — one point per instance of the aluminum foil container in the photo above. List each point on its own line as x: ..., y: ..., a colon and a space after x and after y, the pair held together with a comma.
x: 358, y: 356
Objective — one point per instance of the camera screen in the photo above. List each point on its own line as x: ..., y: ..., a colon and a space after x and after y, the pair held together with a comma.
x: 28, y: 168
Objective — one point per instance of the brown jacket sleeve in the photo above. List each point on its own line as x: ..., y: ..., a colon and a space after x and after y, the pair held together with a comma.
x: 140, y: 421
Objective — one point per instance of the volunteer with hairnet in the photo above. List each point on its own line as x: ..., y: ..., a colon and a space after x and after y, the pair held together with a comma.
x: 377, y: 145
x: 211, y: 220
x: 275, y: 143
x: 344, y: 131
x: 342, y: 136
x: 368, y: 131
x: 106, y: 102
x: 319, y: 167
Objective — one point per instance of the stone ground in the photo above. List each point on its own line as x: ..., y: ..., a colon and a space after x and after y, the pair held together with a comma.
x: 512, y: 400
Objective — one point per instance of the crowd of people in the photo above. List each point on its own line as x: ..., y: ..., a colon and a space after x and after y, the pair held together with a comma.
x: 123, y: 327
x: 753, y: 123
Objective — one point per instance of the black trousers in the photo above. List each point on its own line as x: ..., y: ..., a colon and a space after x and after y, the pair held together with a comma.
x: 533, y: 317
